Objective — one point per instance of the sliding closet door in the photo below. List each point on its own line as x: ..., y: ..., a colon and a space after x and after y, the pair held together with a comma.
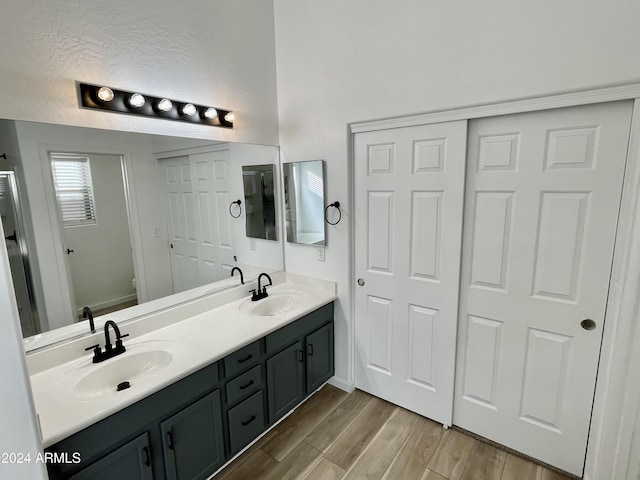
x: 542, y: 199
x: 200, y: 231
x: 409, y: 185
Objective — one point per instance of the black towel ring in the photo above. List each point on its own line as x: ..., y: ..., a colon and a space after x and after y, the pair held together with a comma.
x: 237, y: 202
x: 334, y: 205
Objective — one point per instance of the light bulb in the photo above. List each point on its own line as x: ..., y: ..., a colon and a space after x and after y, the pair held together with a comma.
x: 105, y: 94
x: 136, y: 100
x: 210, y: 113
x: 189, y: 109
x: 230, y: 117
x: 165, y: 105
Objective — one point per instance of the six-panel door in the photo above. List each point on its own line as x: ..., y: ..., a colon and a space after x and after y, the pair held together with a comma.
x: 409, y: 185
x: 542, y: 200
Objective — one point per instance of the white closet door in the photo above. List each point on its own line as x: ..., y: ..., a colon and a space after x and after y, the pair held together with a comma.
x: 210, y: 173
x: 409, y: 186
x: 542, y: 200
x: 182, y: 222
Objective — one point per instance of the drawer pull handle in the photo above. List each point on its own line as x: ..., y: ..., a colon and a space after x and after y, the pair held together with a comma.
x: 170, y: 442
x: 310, y: 349
x: 247, y: 422
x: 147, y: 459
x: 245, y: 359
x: 247, y: 385
x: 300, y: 356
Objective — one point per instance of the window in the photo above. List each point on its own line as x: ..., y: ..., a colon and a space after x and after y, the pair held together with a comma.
x: 72, y: 181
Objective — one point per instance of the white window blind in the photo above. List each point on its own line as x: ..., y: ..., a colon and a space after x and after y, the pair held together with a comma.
x: 72, y: 180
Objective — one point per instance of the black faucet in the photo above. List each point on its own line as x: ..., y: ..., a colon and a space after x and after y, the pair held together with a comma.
x: 262, y: 290
x: 240, y: 272
x: 86, y: 313
x: 109, y: 350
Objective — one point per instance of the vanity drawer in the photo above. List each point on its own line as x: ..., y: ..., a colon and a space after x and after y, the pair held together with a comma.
x: 242, y: 359
x: 244, y: 385
x: 246, y: 422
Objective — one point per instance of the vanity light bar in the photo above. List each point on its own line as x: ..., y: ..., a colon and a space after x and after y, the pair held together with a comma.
x: 134, y: 103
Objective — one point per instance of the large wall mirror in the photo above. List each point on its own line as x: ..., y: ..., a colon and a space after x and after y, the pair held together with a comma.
x: 304, y: 202
x: 122, y: 223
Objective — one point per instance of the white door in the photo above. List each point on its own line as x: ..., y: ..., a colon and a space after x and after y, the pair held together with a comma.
x: 215, y: 242
x: 542, y: 199
x: 182, y: 222
x: 409, y: 186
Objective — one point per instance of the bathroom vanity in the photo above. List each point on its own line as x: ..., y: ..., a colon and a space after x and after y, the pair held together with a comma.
x: 190, y: 427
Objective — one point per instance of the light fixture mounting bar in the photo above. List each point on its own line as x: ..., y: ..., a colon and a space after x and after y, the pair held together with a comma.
x: 121, y: 103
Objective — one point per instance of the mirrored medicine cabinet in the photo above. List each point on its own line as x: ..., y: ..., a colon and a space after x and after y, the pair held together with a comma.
x: 304, y: 202
x: 260, y: 205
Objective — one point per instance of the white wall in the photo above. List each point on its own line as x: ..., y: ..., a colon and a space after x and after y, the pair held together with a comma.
x: 267, y: 253
x: 340, y: 62
x: 17, y: 416
x: 102, y: 263
x: 212, y: 52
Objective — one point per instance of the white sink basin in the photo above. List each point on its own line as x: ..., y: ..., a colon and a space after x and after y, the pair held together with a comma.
x: 141, y: 364
x: 277, y: 303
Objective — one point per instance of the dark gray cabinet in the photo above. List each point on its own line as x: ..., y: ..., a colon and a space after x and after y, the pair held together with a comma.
x: 189, y: 429
x: 303, y: 362
x: 319, y: 350
x: 285, y: 380
x: 192, y: 442
x: 131, y: 461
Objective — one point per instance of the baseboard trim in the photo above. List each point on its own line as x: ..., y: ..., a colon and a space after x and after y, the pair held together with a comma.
x: 109, y: 303
x: 341, y: 384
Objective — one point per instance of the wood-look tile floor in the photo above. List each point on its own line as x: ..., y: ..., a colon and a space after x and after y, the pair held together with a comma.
x: 336, y: 435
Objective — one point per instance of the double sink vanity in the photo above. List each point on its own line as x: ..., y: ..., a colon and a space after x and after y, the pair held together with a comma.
x: 195, y: 383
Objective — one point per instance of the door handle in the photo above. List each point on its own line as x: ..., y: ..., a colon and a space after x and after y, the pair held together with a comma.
x: 13, y: 237
x: 69, y: 251
x: 588, y: 324
x: 361, y: 282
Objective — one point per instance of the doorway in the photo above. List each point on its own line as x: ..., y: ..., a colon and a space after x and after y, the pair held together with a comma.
x: 540, y: 216
x: 94, y: 218
x: 14, y: 239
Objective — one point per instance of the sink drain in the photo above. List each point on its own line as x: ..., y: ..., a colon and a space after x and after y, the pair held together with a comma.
x: 123, y: 386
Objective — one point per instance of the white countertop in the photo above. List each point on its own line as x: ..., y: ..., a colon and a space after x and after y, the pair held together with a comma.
x: 194, y: 342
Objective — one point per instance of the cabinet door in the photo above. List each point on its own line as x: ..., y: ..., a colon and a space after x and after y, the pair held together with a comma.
x: 192, y: 440
x: 319, y: 348
x: 131, y: 461
x: 285, y: 383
